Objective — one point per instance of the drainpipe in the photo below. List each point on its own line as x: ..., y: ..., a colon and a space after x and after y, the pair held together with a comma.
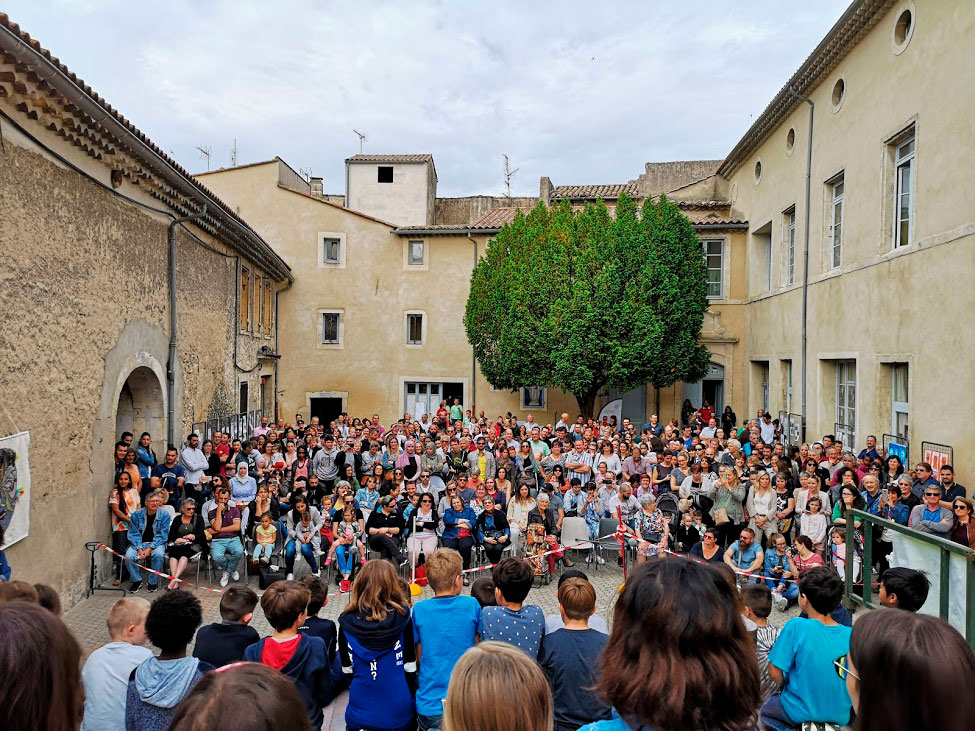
x: 171, y: 362
x: 473, y: 359
x: 805, y: 260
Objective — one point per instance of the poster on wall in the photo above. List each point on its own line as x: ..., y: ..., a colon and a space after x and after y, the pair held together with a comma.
x: 14, y: 487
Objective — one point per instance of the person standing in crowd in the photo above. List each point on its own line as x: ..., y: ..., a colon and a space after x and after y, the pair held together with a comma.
x: 655, y: 677
x: 324, y: 464
x: 194, y: 464
x: 444, y: 627
x: 897, y: 673
x: 377, y: 649
x: 147, y: 536
x: 158, y: 684
x: 930, y: 516
x: 963, y: 526
x: 570, y: 656
x: 168, y: 476
x: 224, y: 642
x: 145, y: 457
x: 480, y: 689
x: 123, y: 501
x: 728, y: 510
x: 801, y: 660
x: 301, y: 657
x: 106, y: 671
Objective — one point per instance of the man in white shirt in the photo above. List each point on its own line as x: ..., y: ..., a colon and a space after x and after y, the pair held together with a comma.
x: 710, y: 430
x: 767, y: 429
x: 578, y: 462
x: 195, y: 463
x: 563, y: 422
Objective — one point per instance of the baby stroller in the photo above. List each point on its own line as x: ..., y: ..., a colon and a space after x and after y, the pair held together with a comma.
x: 668, y: 505
x: 534, y: 547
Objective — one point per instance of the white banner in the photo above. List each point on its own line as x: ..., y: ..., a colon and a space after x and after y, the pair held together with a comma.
x: 613, y: 408
x: 914, y: 554
x: 14, y: 487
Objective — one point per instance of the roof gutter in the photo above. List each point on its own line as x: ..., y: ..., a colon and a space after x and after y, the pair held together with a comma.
x: 720, y: 226
x: 461, y: 231
x: 239, y: 233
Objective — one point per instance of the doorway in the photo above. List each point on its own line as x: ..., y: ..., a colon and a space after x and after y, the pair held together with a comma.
x: 140, y: 405
x: 421, y: 398
x: 326, y: 408
x: 710, y: 388
x: 634, y: 406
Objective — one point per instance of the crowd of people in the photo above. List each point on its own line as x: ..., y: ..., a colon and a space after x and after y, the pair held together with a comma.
x: 764, y: 526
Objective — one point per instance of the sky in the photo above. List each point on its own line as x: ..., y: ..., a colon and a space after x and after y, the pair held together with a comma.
x: 582, y: 92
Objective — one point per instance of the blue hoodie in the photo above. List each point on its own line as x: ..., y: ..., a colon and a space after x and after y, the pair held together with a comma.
x: 156, y: 687
x: 381, y: 658
x: 309, y: 669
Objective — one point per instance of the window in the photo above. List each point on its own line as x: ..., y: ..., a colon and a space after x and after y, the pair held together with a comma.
x: 846, y: 401
x: 759, y: 386
x: 790, y: 245
x: 268, y: 308
x: 244, y: 401
x: 331, y: 328
x: 259, y: 305
x: 331, y: 251
x: 416, y: 253
x: 414, y: 329
x: 900, y: 403
x: 904, y: 191
x: 836, y: 221
x: 533, y: 397
x: 714, y: 258
x: 764, y: 369
x: 245, y: 299
x: 760, y: 260
x: 787, y: 382
x: 384, y: 174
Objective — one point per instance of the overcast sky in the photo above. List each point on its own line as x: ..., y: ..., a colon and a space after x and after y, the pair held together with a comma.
x: 584, y: 92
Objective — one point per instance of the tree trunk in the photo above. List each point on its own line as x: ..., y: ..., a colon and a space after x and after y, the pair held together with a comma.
x: 657, y: 397
x: 587, y: 403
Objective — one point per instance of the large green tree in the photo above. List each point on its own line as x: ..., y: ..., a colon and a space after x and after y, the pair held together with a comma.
x: 582, y: 300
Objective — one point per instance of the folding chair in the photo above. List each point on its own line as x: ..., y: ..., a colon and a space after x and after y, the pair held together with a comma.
x: 575, y: 537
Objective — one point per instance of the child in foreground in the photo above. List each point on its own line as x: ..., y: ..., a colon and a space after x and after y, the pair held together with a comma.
x: 222, y: 643
x: 511, y: 621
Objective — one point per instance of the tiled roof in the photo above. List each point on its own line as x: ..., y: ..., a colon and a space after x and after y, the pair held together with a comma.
x: 497, y: 217
x: 112, y: 124
x: 596, y: 191
x: 390, y: 158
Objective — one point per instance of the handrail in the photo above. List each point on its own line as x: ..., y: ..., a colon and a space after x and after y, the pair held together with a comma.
x: 946, y: 548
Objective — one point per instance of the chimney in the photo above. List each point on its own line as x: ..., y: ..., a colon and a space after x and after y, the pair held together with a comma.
x: 546, y: 190
x: 317, y: 187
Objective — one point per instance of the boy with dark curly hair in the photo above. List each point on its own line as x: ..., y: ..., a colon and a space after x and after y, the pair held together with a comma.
x: 158, y: 684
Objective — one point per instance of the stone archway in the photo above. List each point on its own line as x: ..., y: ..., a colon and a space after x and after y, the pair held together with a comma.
x: 141, y: 405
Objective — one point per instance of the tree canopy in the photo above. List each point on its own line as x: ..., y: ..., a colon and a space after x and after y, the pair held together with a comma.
x: 580, y: 300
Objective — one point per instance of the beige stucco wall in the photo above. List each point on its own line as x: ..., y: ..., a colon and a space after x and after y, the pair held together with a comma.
x: 83, y: 287
x: 880, y: 306
x: 407, y: 201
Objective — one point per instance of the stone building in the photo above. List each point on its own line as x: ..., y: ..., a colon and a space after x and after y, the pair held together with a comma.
x: 85, y: 203
x: 888, y: 231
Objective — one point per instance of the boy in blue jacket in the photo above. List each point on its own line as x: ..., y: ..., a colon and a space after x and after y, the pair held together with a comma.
x: 302, y: 657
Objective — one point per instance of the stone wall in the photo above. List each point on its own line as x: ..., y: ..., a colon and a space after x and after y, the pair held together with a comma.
x: 462, y: 211
x: 83, y: 288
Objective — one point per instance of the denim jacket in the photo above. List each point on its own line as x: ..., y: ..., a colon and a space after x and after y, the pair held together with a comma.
x: 146, y: 460
x: 160, y: 531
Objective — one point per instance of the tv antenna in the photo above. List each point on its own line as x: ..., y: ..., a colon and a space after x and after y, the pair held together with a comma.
x: 205, y: 151
x: 362, y: 138
x: 508, y: 173
x: 233, y: 154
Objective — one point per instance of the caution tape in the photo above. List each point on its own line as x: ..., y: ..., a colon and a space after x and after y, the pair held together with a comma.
x: 158, y: 573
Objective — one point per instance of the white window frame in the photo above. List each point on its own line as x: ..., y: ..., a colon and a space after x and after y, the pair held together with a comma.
x: 705, y: 244
x: 339, y: 326
x: 788, y: 385
x: 837, y: 190
x: 789, y: 225
x: 423, y: 328
x: 533, y: 406
x: 765, y: 367
x: 905, y: 160
x: 846, y: 405
x: 414, y: 261
x: 768, y: 266
x: 324, y: 236
x: 408, y: 262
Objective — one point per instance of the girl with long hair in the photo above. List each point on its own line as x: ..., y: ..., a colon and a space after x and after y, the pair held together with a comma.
x: 375, y: 644
x: 122, y: 502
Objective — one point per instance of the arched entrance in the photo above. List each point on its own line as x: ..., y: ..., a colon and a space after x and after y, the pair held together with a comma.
x: 141, y: 405
x: 711, y: 387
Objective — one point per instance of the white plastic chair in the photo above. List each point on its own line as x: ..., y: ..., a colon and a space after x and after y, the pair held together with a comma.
x: 575, y: 535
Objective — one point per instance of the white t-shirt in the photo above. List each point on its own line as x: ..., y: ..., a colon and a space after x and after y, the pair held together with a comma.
x: 106, y: 679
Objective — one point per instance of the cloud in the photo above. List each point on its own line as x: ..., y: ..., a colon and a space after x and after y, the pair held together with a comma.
x: 581, y: 92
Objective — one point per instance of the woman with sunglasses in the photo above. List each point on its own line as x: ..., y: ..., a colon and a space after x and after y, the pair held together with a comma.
x: 963, y: 527
x: 707, y: 549
x: 301, y: 466
x: 186, y: 539
x: 908, y: 671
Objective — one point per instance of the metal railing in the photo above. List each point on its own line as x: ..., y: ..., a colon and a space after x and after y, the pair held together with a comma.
x: 239, y: 426
x: 937, y: 455
x: 870, y: 523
